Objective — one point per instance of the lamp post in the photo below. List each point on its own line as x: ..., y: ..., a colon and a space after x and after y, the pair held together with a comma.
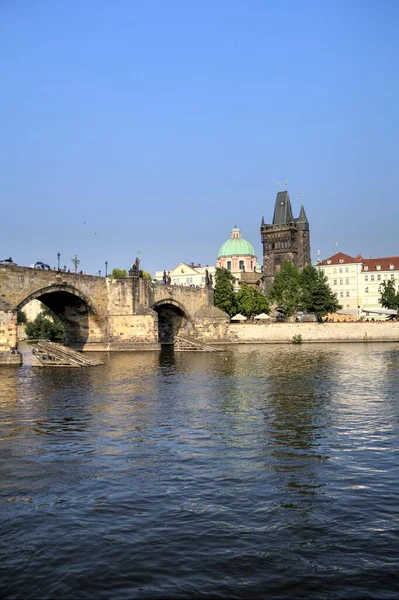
x: 99, y: 273
x: 58, y: 256
x: 106, y: 268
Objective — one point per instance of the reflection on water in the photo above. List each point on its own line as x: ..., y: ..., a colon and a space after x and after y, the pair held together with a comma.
x: 261, y: 471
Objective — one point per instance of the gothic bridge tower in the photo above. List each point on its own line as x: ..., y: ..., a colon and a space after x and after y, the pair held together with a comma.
x: 285, y: 239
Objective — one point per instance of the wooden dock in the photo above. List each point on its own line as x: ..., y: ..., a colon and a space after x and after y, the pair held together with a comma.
x: 49, y: 354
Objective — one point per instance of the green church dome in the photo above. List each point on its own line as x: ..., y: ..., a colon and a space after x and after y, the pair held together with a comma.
x: 236, y: 245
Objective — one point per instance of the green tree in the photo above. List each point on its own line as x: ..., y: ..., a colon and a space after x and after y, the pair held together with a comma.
x: 147, y: 275
x: 389, y: 295
x: 118, y: 273
x: 250, y: 301
x: 316, y: 295
x: 44, y: 328
x: 21, y: 318
x: 225, y: 298
x: 286, y: 291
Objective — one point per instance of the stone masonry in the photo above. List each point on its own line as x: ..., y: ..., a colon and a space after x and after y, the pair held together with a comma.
x: 99, y: 313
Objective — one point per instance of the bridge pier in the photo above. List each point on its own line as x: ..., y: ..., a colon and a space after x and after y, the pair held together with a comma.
x: 9, y: 354
x: 104, y: 314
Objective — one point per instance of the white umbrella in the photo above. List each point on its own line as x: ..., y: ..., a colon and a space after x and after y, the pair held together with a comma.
x: 239, y: 318
x: 263, y: 317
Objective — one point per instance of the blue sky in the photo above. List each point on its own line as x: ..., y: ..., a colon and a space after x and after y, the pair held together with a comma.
x: 159, y: 125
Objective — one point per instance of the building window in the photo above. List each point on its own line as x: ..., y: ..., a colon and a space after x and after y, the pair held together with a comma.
x: 366, y: 290
x: 347, y: 281
x: 392, y: 276
x: 366, y: 268
x: 335, y: 282
x: 341, y: 294
x: 229, y: 265
x: 340, y: 270
x: 347, y: 294
x: 341, y: 281
x: 372, y: 278
x: 241, y: 265
x: 366, y: 278
x: 379, y: 277
x: 346, y: 269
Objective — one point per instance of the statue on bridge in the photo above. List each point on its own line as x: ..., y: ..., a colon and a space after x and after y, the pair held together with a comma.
x: 134, y: 270
x: 208, y: 279
x: 7, y: 260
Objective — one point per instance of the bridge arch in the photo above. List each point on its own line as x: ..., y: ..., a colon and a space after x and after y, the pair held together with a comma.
x: 173, y: 319
x: 83, y: 322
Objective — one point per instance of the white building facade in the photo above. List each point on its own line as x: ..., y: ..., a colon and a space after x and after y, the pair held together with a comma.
x: 187, y: 274
x: 356, y: 281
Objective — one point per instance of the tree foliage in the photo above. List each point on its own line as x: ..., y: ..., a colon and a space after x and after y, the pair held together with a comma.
x: 308, y: 290
x: 147, y: 275
x: 285, y: 291
x: 316, y: 295
x: 21, y: 318
x: 45, y: 328
x: 251, y: 302
x: 389, y: 295
x: 118, y: 273
x: 225, y: 298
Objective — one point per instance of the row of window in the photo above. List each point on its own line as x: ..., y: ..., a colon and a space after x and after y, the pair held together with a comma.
x: 366, y: 277
x: 275, y: 245
x: 240, y: 265
x: 341, y: 281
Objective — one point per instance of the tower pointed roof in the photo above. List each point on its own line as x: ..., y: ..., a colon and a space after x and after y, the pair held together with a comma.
x: 302, y: 216
x: 282, y: 209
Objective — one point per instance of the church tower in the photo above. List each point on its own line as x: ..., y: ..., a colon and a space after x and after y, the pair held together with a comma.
x: 285, y: 239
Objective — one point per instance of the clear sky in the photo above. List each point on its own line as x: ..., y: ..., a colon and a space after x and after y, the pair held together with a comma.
x: 159, y: 125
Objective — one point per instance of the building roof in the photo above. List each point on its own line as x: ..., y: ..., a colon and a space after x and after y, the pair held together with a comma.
x: 340, y: 258
x: 384, y: 263
x: 368, y: 264
x: 283, y: 214
x: 282, y: 209
x: 236, y: 246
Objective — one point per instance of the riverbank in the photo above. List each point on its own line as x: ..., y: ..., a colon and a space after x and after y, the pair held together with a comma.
x: 284, y: 333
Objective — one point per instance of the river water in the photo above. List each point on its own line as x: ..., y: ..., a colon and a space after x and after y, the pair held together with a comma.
x: 261, y: 471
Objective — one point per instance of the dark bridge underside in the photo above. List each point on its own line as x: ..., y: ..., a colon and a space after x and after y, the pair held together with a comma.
x: 171, y: 321
x: 80, y: 321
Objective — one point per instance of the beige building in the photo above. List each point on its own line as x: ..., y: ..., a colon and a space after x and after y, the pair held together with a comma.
x: 356, y: 280
x: 33, y: 309
x: 187, y: 274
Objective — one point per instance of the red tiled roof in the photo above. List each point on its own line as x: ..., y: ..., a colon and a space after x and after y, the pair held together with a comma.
x: 371, y: 263
x: 340, y: 256
x: 384, y: 263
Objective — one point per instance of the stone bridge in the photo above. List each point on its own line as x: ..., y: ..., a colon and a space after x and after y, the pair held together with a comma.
x: 107, y: 314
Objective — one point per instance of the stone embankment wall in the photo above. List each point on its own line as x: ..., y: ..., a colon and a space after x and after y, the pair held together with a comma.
x: 387, y: 331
